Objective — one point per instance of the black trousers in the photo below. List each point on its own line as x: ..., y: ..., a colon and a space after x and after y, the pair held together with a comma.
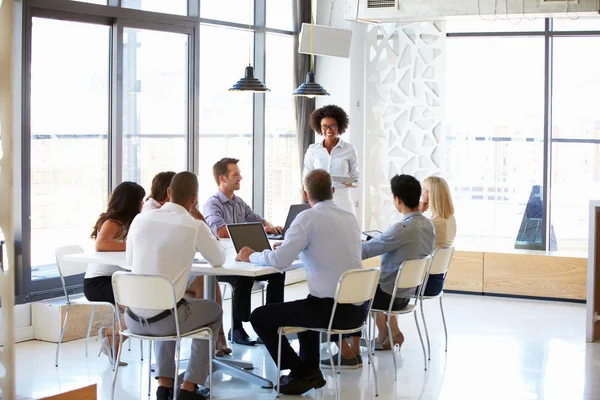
x: 242, y: 290
x: 312, y: 312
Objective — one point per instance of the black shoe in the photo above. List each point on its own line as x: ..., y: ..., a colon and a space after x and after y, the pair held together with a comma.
x: 196, y: 395
x: 164, y: 393
x: 241, y: 337
x: 297, y: 385
x: 347, y: 363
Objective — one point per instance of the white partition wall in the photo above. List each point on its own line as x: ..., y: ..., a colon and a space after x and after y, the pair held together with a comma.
x: 404, y: 110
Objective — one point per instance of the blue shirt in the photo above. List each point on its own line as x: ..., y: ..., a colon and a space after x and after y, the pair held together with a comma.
x: 327, y: 239
x: 411, y: 238
x: 220, y: 211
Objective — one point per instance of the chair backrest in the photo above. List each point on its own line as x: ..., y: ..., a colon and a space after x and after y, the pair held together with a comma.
x: 66, y: 267
x: 154, y: 292
x: 357, y: 285
x: 412, y: 273
x: 440, y: 260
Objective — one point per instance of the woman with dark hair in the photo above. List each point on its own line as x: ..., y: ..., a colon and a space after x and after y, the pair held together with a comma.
x: 333, y: 154
x: 110, y: 234
x: 158, y: 191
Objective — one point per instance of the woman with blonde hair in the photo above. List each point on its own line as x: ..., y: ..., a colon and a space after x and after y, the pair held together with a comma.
x: 436, y: 198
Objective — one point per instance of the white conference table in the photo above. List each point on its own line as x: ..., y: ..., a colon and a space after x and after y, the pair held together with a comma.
x: 231, y: 267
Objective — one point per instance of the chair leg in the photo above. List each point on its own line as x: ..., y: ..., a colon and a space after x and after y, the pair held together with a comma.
x: 149, y: 366
x: 339, y: 353
x: 129, y: 346
x: 210, y: 364
x: 426, y: 331
x: 141, y: 350
x: 421, y: 339
x: 387, y: 322
x: 371, y: 363
x: 444, y: 321
x: 87, y: 336
x: 262, y: 292
x: 116, y: 367
x: 279, y: 363
x: 177, y: 357
x: 332, y: 364
x: 114, y: 341
x: 373, y: 327
x: 62, y: 332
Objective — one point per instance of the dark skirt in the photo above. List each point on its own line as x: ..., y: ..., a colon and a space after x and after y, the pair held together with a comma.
x: 99, y: 289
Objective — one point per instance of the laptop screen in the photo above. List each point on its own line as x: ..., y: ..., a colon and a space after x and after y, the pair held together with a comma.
x: 295, y: 209
x: 252, y: 235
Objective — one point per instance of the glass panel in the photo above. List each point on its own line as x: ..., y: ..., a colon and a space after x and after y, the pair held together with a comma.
x: 501, y: 24
x: 576, y: 24
x: 495, y: 122
x: 226, y: 118
x: 575, y: 166
x: 282, y: 171
x: 240, y: 11
x: 177, y: 7
x: 575, y: 181
x: 155, y: 104
x: 576, y: 88
x: 69, y: 127
x: 280, y: 14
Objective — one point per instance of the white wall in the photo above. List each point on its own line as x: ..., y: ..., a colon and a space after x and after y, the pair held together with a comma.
x: 23, y: 327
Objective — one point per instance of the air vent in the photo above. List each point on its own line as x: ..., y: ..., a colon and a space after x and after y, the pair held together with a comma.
x: 381, y: 3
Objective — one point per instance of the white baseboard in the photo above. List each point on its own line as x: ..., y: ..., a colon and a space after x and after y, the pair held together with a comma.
x: 22, y: 334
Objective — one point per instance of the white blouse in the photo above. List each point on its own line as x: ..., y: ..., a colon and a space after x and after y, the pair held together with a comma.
x: 343, y: 160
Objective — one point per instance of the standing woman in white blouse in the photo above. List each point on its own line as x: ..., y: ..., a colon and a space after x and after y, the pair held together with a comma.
x: 333, y: 154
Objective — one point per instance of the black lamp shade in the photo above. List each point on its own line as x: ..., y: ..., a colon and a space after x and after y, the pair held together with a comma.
x: 249, y: 83
x: 310, y: 88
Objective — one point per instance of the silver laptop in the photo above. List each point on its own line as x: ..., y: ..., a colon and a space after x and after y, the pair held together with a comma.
x: 295, y: 209
x: 252, y: 235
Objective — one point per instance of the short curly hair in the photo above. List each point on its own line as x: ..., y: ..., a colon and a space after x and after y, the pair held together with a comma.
x: 330, y: 111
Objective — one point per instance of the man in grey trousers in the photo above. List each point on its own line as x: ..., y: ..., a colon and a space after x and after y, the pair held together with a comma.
x: 164, y: 242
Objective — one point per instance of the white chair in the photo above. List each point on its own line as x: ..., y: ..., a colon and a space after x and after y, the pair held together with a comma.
x: 70, y: 268
x: 154, y: 292
x: 412, y: 273
x: 354, y: 286
x: 441, y: 258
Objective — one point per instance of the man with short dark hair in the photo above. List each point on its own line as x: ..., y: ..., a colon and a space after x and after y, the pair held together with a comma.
x: 226, y: 208
x: 164, y: 242
x: 411, y: 238
x: 327, y: 239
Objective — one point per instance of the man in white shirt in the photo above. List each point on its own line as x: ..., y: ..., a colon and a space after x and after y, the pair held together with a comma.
x: 164, y: 242
x: 327, y: 239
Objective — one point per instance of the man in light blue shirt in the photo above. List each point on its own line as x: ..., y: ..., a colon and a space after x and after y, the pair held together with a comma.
x: 327, y: 239
x: 411, y: 238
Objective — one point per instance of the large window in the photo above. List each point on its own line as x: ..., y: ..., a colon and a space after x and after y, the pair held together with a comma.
x: 121, y: 91
x: 226, y: 118
x: 498, y: 89
x: 155, y: 117
x: 69, y: 128
x: 282, y: 169
x: 495, y: 121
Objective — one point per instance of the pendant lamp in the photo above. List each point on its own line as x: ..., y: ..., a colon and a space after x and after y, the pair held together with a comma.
x: 310, y: 88
x: 249, y: 83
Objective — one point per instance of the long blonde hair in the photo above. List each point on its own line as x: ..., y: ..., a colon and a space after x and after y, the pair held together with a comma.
x: 440, y: 201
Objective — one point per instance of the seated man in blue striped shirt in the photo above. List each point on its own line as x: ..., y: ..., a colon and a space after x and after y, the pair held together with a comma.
x: 411, y: 238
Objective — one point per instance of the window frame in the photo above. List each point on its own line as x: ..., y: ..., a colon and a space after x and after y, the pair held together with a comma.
x: 549, y: 34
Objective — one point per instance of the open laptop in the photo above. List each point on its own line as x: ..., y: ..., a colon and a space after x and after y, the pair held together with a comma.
x: 252, y: 235
x: 295, y: 209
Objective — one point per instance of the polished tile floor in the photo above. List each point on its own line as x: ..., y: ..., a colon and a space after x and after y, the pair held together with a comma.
x: 498, y: 349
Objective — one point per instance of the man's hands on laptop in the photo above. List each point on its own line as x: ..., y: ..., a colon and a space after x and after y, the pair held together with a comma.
x: 274, y: 230
x: 244, y: 254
